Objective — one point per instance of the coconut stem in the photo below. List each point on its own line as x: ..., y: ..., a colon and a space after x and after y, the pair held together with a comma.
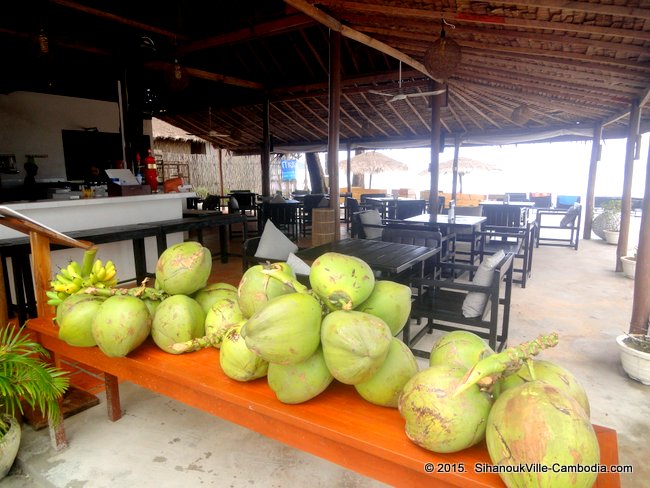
x: 277, y: 273
x: 87, y: 262
x: 140, y: 292
x: 487, y: 371
x: 194, y: 345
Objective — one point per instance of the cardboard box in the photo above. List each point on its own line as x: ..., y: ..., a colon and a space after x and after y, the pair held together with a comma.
x: 128, y: 190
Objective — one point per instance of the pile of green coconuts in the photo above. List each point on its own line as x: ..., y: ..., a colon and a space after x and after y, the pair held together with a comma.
x: 529, y: 412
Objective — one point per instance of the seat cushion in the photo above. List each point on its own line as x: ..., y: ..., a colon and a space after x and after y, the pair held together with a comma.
x: 474, y: 303
x: 298, y: 265
x: 368, y: 219
x: 274, y: 244
x: 570, y: 216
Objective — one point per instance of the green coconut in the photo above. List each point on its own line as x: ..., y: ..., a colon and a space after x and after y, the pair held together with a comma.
x: 459, y: 348
x: 222, y: 315
x: 355, y: 345
x: 438, y: 421
x: 550, y: 373
x: 257, y: 288
x: 183, y: 268
x: 209, y: 294
x: 391, y: 302
x: 342, y: 282
x: 121, y: 324
x: 75, y: 318
x: 538, y: 424
x: 178, y: 318
x: 297, y: 383
x: 385, y: 386
x: 237, y: 361
x: 286, y: 330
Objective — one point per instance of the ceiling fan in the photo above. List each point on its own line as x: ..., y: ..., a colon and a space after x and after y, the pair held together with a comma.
x: 210, y: 132
x: 400, y: 95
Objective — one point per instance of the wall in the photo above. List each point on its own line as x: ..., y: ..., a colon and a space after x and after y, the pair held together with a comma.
x: 31, y: 123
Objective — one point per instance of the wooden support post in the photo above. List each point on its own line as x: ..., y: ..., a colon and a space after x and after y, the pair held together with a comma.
x: 434, y: 165
x: 626, y: 199
x: 266, y: 150
x: 641, y: 300
x: 334, y: 124
x: 591, y: 181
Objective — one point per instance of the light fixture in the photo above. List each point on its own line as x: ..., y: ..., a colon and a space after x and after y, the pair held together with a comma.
x: 443, y: 56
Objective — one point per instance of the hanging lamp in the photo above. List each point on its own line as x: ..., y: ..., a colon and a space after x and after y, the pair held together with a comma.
x: 443, y: 56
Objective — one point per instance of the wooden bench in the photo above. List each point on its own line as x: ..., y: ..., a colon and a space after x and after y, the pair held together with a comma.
x: 338, y: 425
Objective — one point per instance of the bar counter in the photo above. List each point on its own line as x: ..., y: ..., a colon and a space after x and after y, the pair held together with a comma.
x: 77, y: 215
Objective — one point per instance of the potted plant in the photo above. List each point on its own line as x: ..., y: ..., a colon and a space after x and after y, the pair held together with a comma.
x: 629, y: 265
x: 25, y: 376
x: 612, y: 221
x: 635, y: 356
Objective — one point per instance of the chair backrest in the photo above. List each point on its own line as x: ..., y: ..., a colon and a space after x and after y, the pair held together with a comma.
x: 352, y: 205
x: 246, y: 200
x: 212, y: 202
x: 542, y: 200
x: 567, y: 201
x: 503, y: 215
x: 371, y: 195
x: 311, y: 201
x: 400, y: 235
x: 473, y: 211
x: 410, y: 208
x: 360, y: 227
x: 517, y: 197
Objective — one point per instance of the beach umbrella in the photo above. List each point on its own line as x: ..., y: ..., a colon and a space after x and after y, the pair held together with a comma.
x: 372, y: 162
x: 465, y: 166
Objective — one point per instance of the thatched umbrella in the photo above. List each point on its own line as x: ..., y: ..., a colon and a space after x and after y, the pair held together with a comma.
x: 372, y: 162
x: 465, y: 167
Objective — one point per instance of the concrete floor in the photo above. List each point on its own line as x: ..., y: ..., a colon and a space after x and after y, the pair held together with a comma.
x: 160, y: 442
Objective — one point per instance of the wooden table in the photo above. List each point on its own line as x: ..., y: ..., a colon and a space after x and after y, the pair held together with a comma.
x: 470, y: 223
x: 389, y: 258
x: 338, y: 425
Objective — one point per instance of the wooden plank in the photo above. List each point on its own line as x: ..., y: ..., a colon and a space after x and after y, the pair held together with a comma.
x: 338, y: 425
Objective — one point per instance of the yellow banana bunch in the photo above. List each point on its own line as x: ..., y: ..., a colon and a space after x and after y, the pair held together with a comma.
x: 71, y: 279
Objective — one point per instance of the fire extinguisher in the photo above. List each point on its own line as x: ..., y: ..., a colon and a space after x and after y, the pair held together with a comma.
x: 150, y: 174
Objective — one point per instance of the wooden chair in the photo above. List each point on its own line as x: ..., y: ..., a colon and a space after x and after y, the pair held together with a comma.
x: 409, y: 208
x: 415, y: 237
x: 441, y: 304
x: 516, y: 240
x: 563, y: 225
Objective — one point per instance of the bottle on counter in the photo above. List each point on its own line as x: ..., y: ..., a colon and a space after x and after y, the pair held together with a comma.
x: 150, y: 173
x: 451, y: 216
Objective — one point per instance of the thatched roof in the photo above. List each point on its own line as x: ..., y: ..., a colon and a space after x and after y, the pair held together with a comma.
x: 528, y: 69
x: 372, y: 162
x: 164, y: 130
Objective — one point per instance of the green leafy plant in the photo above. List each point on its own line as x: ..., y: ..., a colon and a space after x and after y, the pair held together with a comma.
x: 25, y: 375
x: 201, y: 192
x: 612, y: 215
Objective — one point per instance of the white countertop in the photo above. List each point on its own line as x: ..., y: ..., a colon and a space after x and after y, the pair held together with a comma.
x: 52, y: 203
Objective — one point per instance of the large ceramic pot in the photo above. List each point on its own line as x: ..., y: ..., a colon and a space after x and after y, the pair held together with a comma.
x: 635, y: 363
x: 9, y: 445
x: 629, y: 266
x: 611, y: 236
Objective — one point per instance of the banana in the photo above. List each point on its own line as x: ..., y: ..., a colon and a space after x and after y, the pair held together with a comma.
x: 52, y: 294
x: 110, y: 273
x: 64, y: 272
x: 62, y: 287
x: 75, y: 271
x: 62, y: 279
x: 71, y: 288
x: 97, y: 265
x: 101, y: 274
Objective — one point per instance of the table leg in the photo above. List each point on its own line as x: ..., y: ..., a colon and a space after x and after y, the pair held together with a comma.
x: 223, y: 243
x: 113, y: 407
x: 140, y: 260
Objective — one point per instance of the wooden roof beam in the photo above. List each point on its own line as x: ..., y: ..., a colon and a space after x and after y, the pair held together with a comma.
x: 118, y: 19
x: 472, y: 18
x: 266, y: 29
x: 350, y: 33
